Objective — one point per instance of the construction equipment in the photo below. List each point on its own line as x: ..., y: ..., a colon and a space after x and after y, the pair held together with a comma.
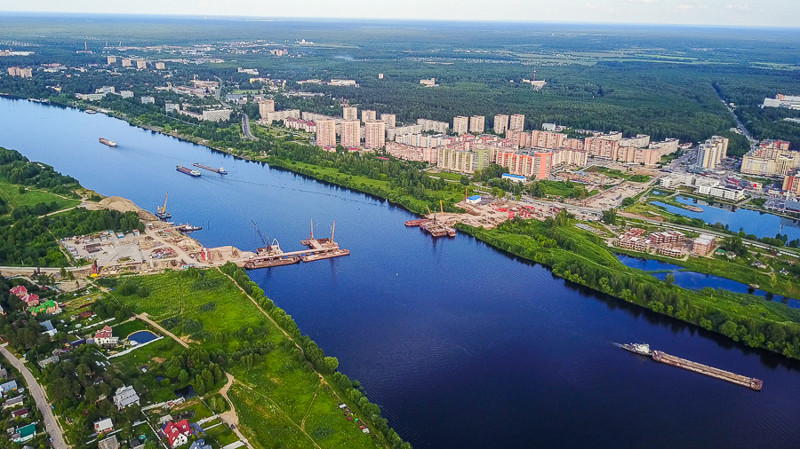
x: 161, y: 211
x: 267, y: 245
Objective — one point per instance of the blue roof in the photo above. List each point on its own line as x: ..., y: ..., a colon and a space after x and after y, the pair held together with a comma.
x: 509, y: 175
x: 474, y: 197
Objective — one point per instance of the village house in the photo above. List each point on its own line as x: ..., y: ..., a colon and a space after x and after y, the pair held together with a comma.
x: 125, y: 397
x: 177, y: 434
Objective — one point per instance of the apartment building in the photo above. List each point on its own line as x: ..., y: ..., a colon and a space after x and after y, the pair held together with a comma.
x: 326, y: 133
x: 389, y: 119
x: 266, y: 106
x: 350, y: 113
x: 770, y: 158
x: 712, y: 152
x: 460, y: 125
x: 368, y: 115
x: 547, y: 139
x: 350, y: 131
x: 500, y: 123
x: 433, y: 125
x: 477, y: 124
x: 537, y: 164
x: 517, y: 122
x: 375, y: 135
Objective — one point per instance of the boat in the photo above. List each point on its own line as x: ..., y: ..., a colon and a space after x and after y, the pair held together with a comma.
x: 220, y: 170
x: 161, y: 211
x: 256, y: 263
x: 637, y: 348
x: 187, y: 171
x: 420, y: 222
x: 186, y: 228
x: 91, y: 111
x: 693, y: 208
x: 108, y: 142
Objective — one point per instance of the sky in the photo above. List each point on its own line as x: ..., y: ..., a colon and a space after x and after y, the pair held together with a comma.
x: 770, y: 13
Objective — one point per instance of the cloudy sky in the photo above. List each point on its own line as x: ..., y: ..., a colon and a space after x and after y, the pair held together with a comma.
x: 777, y: 13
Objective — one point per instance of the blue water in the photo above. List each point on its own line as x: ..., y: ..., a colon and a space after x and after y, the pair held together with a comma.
x: 461, y: 345
x: 760, y: 224
x: 142, y: 337
x: 697, y: 281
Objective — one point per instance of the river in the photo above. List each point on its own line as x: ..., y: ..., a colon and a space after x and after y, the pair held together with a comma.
x: 460, y: 344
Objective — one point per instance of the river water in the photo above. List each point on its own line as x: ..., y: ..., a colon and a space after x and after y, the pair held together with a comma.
x: 460, y: 344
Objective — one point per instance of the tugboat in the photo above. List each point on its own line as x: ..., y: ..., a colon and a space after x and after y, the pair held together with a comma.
x: 637, y: 348
x: 187, y: 228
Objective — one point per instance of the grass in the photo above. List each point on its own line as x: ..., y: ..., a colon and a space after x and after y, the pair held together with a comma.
x: 123, y: 330
x: 10, y: 194
x: 275, y: 395
x: 222, y: 435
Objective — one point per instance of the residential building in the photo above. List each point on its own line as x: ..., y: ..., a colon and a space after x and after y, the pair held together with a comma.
x: 412, y: 153
x: 160, y: 66
x: 517, y: 122
x: 104, y: 337
x: 350, y: 113
x: 108, y: 443
x: 26, y: 433
x: 127, y: 62
x: 640, y: 141
x: 476, y: 124
x: 91, y: 97
x: 393, y: 132
x: 278, y: 116
x: 460, y: 124
x: 14, y: 402
x: 326, y: 133
x: 722, y: 192
x: 21, y: 413
x: 375, y: 135
x: 368, y: 115
x: 433, y: 125
x: 770, y: 158
x: 103, y: 426
x: 343, y: 83
x: 428, y: 82
x: 351, y: 133
x: 172, y: 107
x: 177, y: 434
x: 634, y: 155
x: 148, y: 100
x: 456, y: 160
x: 126, y: 93
x: 791, y: 182
x: 49, y: 307
x: 308, y: 126
x: 570, y: 156
x: 111, y: 59
x: 22, y: 72
x: 603, y: 147
x: 703, y: 245
x: 537, y: 164
x: 500, y: 123
x: 547, y: 139
x: 200, y: 444
x: 216, y: 115
x: 389, y: 119
x: 125, y: 397
x: 712, y: 152
x: 665, y: 147
x: 265, y: 107
x: 141, y: 64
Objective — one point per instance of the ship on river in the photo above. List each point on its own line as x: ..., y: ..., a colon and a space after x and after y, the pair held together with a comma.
x: 108, y: 142
x: 187, y: 171
x: 220, y: 170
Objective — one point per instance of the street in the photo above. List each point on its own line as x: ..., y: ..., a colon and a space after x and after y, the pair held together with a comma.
x: 37, y: 392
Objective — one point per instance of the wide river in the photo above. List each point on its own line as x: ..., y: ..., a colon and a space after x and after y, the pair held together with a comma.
x: 460, y: 344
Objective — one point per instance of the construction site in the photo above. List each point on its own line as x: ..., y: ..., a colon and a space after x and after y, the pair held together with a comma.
x: 271, y: 254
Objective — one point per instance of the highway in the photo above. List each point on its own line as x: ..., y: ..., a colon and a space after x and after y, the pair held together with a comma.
x: 246, y: 128
x: 35, y: 390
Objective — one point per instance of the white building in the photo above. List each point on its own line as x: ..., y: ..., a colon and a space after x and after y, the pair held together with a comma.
x: 125, y: 397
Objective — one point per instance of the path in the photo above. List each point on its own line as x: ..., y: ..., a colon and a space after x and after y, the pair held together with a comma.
x: 143, y: 317
x: 50, y: 423
x: 231, y: 418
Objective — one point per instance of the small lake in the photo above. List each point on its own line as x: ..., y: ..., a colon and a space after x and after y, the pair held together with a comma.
x: 697, y: 281
x: 760, y: 224
x: 141, y: 337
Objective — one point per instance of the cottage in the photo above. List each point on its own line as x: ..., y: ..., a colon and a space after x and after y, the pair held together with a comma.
x: 21, y: 413
x: 13, y: 402
x: 103, y: 426
x: 177, y: 433
x: 125, y: 397
x: 48, y: 361
x: 31, y: 300
x: 11, y: 385
x: 24, y: 433
x: 49, y: 307
x: 104, y: 337
x: 19, y: 291
x: 3, y: 373
x: 108, y: 443
x: 200, y: 444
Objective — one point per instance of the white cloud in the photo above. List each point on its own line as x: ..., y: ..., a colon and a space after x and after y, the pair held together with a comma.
x: 739, y: 6
x: 641, y: 1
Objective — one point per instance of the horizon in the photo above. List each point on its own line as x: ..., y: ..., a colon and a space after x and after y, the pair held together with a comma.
x: 704, y: 14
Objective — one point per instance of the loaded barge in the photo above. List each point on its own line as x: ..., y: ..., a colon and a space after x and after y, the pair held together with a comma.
x: 187, y: 171
x: 108, y: 142
x: 661, y: 357
x: 318, y: 249
x: 220, y: 170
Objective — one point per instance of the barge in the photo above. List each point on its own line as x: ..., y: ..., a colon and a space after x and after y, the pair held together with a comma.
x: 187, y: 171
x: 220, y: 170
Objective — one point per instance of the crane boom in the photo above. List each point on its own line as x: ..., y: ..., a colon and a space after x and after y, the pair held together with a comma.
x: 163, y: 209
x: 260, y: 235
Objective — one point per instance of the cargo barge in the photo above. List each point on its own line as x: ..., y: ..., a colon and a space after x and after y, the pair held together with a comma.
x: 420, y: 222
x: 220, y: 170
x: 186, y: 171
x: 257, y: 263
x: 661, y: 357
x: 108, y: 142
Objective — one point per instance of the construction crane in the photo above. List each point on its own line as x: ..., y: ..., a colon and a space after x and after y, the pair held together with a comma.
x: 429, y: 213
x: 261, y: 236
x: 441, y: 206
x: 161, y: 211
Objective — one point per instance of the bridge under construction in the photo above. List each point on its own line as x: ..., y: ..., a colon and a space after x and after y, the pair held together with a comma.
x: 272, y: 255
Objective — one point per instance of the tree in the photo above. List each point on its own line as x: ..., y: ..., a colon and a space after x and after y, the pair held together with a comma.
x: 609, y: 216
x: 670, y: 279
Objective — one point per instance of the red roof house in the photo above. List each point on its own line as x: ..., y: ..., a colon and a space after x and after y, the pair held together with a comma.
x: 177, y: 433
x: 19, y: 290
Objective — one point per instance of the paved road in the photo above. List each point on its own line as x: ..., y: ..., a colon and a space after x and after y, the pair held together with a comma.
x: 246, y: 128
x: 50, y: 423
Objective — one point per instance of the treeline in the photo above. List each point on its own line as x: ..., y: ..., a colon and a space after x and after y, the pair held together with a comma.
x: 307, y: 349
x: 17, y: 169
x: 583, y: 259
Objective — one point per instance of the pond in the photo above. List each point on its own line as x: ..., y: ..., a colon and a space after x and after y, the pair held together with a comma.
x: 141, y: 337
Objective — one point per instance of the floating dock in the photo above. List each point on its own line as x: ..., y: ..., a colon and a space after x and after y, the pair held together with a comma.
x: 749, y: 382
x: 318, y: 249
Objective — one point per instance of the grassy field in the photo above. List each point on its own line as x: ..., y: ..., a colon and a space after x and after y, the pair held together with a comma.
x: 10, y: 193
x: 281, y: 401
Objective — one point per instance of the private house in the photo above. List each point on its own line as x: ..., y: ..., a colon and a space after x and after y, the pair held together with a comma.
x: 104, y: 337
x: 200, y: 444
x: 24, y: 433
x: 13, y: 402
x: 108, y: 443
x: 11, y: 385
x: 103, y: 426
x: 177, y: 434
x: 125, y: 397
x: 21, y: 413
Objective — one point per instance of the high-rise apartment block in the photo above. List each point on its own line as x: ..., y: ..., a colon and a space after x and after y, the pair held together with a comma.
x: 547, y: 139
x: 127, y: 62
x: 389, y: 119
x: 500, y: 123
x: 369, y: 116
x: 517, y: 122
x: 21, y: 72
x: 476, y: 124
x: 326, y: 133
x: 350, y: 113
x: 460, y: 124
x: 536, y: 164
x: 712, y: 151
x: 351, y: 133
x: 770, y: 158
x: 141, y: 64
x: 266, y: 106
x: 111, y: 59
x: 375, y: 135
x: 160, y: 66
x: 433, y: 125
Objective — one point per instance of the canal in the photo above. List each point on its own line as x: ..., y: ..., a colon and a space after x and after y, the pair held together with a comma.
x: 460, y: 344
